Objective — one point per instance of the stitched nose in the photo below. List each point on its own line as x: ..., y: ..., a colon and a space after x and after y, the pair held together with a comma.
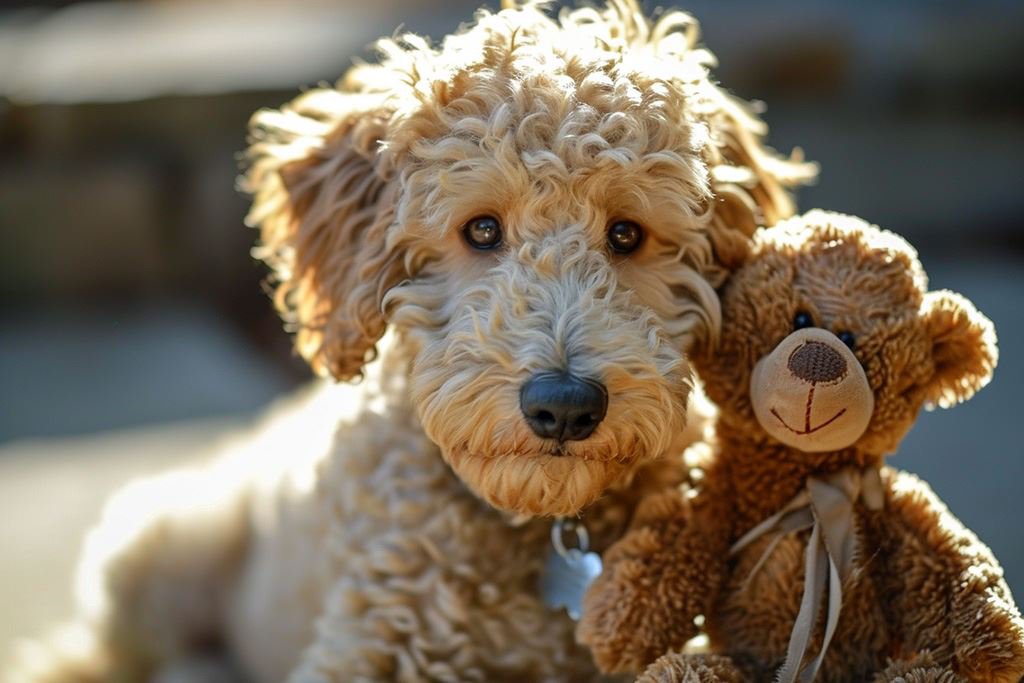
x: 816, y: 362
x: 561, y: 406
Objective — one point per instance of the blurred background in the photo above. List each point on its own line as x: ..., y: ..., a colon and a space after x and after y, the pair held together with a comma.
x: 135, y: 334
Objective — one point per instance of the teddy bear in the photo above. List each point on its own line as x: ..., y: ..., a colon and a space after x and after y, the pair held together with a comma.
x: 792, y: 547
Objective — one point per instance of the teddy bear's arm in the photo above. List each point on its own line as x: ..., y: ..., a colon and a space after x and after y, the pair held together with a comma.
x: 945, y: 588
x: 657, y: 579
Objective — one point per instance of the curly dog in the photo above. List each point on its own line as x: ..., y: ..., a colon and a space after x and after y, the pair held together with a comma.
x: 511, y: 239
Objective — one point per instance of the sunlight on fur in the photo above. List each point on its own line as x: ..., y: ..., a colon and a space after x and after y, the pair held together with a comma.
x: 556, y: 127
x: 394, y: 529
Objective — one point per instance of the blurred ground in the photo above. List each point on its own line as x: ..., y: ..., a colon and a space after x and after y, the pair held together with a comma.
x: 51, y: 492
x: 135, y: 334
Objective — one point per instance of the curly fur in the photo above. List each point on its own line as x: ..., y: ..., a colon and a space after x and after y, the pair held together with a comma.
x: 925, y: 592
x: 400, y: 535
x: 557, y: 127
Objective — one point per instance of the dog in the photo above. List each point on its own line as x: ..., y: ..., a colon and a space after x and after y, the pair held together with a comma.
x: 509, y: 240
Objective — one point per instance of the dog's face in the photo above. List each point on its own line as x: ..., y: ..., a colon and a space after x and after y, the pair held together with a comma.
x: 532, y: 207
x: 831, y: 343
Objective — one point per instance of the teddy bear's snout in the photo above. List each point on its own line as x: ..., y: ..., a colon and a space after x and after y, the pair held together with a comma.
x: 817, y: 363
x: 811, y: 392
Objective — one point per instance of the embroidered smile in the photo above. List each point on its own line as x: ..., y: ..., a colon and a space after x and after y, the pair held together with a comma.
x: 807, y: 417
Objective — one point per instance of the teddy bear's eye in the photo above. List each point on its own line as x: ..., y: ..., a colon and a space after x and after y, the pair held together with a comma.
x: 483, y: 232
x: 624, y: 236
x: 802, y: 319
x: 847, y: 338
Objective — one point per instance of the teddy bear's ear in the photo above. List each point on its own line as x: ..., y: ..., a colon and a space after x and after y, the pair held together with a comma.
x: 963, y: 348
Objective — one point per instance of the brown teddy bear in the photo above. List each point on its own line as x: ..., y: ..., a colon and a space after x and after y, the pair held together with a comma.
x: 830, y: 345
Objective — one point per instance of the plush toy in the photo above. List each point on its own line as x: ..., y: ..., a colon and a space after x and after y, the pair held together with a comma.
x: 804, y: 557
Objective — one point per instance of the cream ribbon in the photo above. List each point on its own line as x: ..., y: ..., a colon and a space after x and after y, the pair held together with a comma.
x: 825, y: 506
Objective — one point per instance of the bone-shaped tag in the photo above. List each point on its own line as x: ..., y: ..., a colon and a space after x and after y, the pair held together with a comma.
x: 566, y: 578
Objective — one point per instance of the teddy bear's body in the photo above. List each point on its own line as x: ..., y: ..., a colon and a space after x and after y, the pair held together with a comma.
x: 827, y: 324
x: 912, y: 547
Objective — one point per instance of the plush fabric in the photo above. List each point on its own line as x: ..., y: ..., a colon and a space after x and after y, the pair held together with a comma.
x: 923, y: 599
x: 811, y: 393
x: 399, y: 535
x: 675, y: 668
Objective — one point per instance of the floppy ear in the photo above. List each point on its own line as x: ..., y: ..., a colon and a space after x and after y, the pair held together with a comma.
x: 323, y: 201
x: 750, y: 182
x: 963, y: 348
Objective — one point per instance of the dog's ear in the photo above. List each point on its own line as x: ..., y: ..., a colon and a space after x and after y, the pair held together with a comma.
x: 323, y: 201
x: 750, y: 182
x: 964, y: 348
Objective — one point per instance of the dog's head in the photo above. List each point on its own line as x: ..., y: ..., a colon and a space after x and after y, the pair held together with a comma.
x: 542, y: 208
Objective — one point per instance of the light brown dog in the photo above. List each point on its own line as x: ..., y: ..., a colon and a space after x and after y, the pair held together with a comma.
x: 537, y: 209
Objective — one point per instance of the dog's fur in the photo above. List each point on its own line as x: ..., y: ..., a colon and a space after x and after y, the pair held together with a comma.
x: 405, y: 541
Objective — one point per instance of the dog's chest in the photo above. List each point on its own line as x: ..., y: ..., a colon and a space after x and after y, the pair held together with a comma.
x: 411, y: 575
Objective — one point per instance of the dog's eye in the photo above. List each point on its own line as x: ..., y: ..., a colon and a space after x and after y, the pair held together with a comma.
x: 802, y: 319
x: 847, y: 338
x: 624, y: 236
x: 483, y: 232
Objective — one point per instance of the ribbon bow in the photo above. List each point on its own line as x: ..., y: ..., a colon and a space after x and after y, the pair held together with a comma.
x: 825, y: 506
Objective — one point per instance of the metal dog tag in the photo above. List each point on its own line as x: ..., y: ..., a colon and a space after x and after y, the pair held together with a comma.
x: 569, y: 571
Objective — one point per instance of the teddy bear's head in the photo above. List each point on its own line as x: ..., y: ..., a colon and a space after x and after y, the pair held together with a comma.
x: 831, y: 341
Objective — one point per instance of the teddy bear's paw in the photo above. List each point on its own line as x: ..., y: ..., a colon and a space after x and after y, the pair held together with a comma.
x: 988, y: 632
x: 634, y: 612
x: 931, y: 674
x: 656, y: 581
x: 681, y: 668
x: 616, y: 623
x: 920, y: 669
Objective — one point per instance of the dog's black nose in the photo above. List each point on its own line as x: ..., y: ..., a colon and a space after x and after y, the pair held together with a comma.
x: 560, y: 406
